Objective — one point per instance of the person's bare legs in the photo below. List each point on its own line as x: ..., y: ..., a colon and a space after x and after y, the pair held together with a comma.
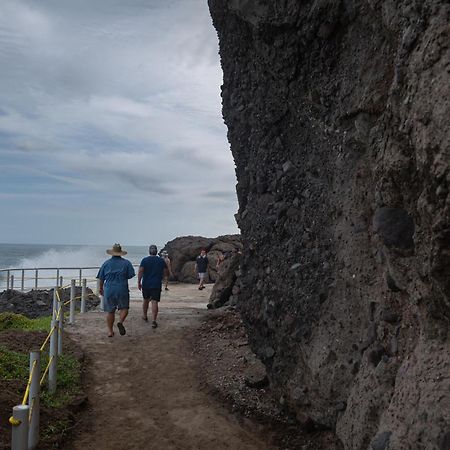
x: 154, y: 313
x: 123, y: 313
x: 110, y: 322
x: 201, y: 286
x: 155, y: 309
x: 145, y: 304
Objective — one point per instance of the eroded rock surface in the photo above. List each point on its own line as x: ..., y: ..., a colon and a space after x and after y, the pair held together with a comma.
x: 226, y: 287
x: 337, y: 114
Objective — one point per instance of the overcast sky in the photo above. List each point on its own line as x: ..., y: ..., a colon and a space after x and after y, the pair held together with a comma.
x: 110, y: 123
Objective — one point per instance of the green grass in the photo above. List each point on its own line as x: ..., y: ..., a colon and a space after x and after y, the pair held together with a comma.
x: 15, y: 366
x: 10, y: 321
x: 55, y: 428
x: 69, y: 383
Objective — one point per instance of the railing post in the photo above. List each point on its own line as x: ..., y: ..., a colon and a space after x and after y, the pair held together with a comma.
x: 33, y: 399
x: 19, y: 422
x: 12, y: 282
x: 72, y: 302
x: 55, y: 303
x: 60, y: 327
x: 61, y: 281
x: 36, y: 278
x: 22, y: 286
x: 57, y: 276
x: 53, y: 355
x: 7, y: 280
x: 83, y: 296
x: 80, y: 275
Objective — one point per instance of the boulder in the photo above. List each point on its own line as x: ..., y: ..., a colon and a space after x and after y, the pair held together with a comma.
x: 183, y: 252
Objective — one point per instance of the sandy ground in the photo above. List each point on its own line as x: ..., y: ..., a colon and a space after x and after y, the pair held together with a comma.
x: 143, y: 389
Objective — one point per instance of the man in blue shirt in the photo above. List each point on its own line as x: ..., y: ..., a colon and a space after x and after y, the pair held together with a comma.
x: 150, y: 275
x: 114, y: 275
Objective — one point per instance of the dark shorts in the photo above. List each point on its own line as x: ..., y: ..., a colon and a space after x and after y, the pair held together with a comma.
x: 151, y: 294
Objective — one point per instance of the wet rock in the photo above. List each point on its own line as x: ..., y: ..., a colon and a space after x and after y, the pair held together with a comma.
x: 389, y: 316
x: 395, y: 227
x: 341, y: 406
x: 256, y: 376
x: 391, y: 283
x: 381, y: 442
x: 393, y: 346
x: 287, y: 166
x: 445, y: 442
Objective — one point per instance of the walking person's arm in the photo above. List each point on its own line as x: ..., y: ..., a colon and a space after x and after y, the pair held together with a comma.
x: 100, y: 288
x: 101, y: 277
x: 140, y: 274
x: 169, y: 266
x: 130, y: 271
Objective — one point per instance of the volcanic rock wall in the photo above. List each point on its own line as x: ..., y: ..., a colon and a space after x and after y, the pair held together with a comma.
x: 338, y: 117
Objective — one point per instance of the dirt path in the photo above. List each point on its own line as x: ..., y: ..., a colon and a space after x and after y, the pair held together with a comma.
x: 142, y: 387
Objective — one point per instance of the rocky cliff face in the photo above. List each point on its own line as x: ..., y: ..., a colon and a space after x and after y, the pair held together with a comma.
x: 337, y: 112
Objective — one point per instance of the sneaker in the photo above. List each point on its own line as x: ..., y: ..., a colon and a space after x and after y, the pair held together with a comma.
x: 121, y: 328
x: 154, y: 324
x: 166, y: 289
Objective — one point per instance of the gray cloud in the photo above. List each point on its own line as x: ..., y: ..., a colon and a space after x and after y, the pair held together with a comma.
x: 112, y: 101
x: 222, y: 195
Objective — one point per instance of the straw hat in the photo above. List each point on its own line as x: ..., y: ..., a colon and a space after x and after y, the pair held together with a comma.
x: 116, y: 251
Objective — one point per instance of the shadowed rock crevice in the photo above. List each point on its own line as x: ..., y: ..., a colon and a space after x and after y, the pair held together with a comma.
x: 337, y: 114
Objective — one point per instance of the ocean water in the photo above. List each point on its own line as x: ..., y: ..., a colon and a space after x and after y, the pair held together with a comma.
x: 36, y: 256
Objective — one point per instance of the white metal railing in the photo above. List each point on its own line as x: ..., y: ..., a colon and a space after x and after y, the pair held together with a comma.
x: 26, y: 416
x: 25, y: 279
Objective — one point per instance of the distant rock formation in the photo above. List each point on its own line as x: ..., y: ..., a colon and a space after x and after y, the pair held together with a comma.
x: 183, y: 252
x: 338, y: 118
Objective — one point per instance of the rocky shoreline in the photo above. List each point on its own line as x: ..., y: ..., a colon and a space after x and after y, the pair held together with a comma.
x: 39, y: 303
